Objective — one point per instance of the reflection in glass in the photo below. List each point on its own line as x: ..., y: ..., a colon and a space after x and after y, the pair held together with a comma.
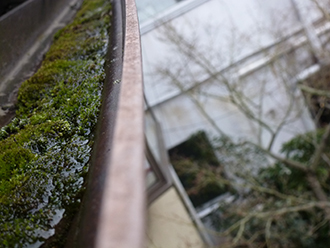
x: 149, y: 8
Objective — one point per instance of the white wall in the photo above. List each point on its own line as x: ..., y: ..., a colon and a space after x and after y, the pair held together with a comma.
x: 224, y: 32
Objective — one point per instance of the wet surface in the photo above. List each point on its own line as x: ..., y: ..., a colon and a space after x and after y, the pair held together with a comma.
x: 23, y: 62
x: 45, y: 149
x: 6, y: 115
x: 8, y: 5
x: 9, y: 90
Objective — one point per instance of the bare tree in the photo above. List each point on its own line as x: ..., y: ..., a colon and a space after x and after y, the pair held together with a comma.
x: 269, y: 76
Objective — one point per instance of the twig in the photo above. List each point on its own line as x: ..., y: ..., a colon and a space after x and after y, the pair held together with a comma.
x: 314, y: 91
x: 268, y: 233
x: 240, y: 230
x: 272, y: 214
x: 290, y: 163
x: 319, y: 151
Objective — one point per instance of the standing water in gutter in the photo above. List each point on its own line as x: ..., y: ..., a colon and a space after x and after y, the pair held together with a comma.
x: 45, y: 150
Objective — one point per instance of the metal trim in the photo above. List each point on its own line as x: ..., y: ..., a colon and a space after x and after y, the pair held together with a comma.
x: 164, y: 180
x: 113, y: 208
x: 174, y: 12
x: 160, y: 168
x: 122, y: 210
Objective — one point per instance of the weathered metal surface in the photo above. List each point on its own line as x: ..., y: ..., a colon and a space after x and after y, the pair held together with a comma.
x: 122, y: 217
x: 85, y: 227
x: 113, y: 212
x: 157, y: 158
x: 113, y: 209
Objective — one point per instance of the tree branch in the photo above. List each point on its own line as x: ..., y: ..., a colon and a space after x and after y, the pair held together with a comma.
x: 320, y: 149
x: 314, y: 91
x: 274, y: 213
x: 290, y: 163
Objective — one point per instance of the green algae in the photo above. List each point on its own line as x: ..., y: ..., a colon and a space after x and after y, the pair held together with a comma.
x: 46, y: 148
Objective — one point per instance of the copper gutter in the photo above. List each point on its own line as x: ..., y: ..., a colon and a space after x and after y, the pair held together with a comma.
x: 122, y: 217
x: 113, y: 212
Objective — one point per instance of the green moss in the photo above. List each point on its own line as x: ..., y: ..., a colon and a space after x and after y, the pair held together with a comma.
x: 46, y: 148
x: 292, y: 181
x: 198, y: 169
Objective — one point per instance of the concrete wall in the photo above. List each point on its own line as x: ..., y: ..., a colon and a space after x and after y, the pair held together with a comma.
x: 230, y: 30
x: 6, y: 5
x: 20, y: 28
x: 232, y: 36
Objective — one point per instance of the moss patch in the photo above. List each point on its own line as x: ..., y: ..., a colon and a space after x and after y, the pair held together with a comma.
x: 196, y: 165
x: 45, y: 150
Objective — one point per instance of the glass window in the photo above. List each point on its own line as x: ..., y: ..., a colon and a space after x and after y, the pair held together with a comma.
x: 149, y: 8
